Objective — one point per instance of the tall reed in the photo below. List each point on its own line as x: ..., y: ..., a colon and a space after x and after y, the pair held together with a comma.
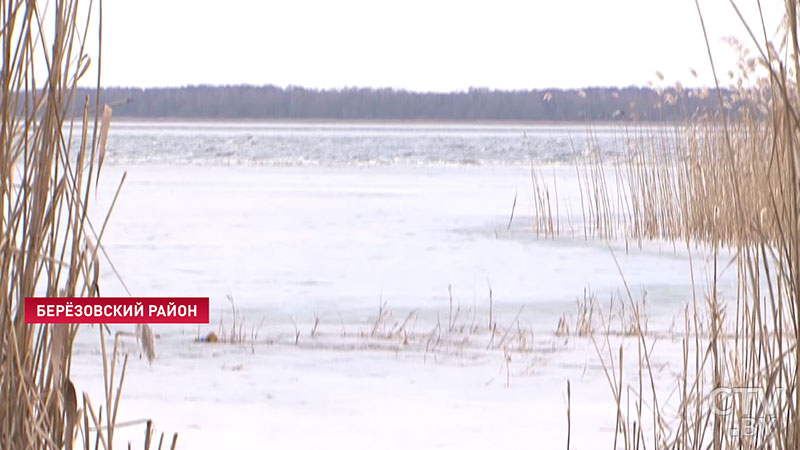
x: 729, y: 180
x: 49, y: 167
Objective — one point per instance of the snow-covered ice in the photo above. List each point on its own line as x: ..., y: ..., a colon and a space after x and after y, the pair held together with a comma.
x: 293, y: 243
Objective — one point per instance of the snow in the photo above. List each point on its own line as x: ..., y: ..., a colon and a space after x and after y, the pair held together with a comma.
x: 293, y: 243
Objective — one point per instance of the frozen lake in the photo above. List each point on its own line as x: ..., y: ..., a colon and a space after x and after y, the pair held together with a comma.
x: 329, y: 221
x: 337, y: 234
x: 357, y: 144
x: 297, y: 240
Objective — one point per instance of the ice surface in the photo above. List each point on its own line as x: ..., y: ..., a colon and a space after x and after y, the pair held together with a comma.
x: 334, y: 241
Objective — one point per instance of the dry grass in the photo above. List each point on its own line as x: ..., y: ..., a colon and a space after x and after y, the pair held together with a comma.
x: 457, y: 331
x: 620, y: 318
x: 49, y: 168
x: 725, y: 181
x: 239, y: 332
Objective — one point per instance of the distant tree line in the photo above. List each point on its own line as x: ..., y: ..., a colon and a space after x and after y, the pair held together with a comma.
x: 477, y: 104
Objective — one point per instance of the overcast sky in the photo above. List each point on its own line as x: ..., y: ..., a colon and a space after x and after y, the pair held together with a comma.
x: 424, y: 45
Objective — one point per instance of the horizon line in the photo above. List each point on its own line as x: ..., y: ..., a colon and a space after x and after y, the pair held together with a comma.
x: 399, y: 89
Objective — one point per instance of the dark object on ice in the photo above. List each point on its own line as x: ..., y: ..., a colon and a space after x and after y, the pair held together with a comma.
x: 210, y: 338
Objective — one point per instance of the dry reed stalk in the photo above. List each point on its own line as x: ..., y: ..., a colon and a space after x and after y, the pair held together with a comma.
x: 49, y: 166
x: 727, y: 180
x: 45, y: 245
x: 569, y: 413
x: 730, y: 180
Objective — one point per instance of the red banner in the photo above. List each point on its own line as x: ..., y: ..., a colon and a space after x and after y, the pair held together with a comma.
x: 116, y: 310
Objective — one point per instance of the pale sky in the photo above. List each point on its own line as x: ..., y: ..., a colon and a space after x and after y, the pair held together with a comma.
x: 423, y: 45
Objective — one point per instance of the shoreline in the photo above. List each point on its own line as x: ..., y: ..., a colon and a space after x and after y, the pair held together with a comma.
x: 384, y: 122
